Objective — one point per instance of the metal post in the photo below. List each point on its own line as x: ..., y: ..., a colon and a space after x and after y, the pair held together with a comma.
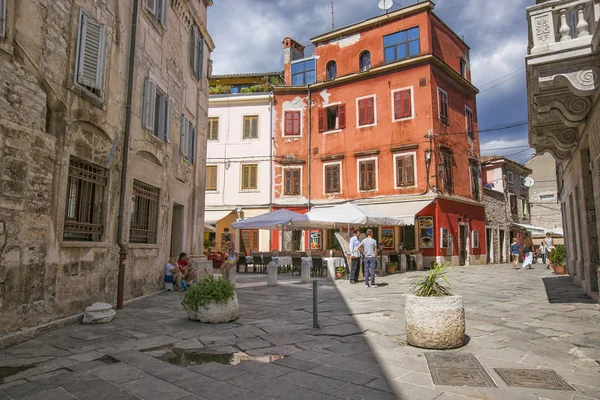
x: 315, y: 311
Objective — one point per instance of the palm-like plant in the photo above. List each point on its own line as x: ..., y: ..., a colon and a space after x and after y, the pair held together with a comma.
x: 431, y: 285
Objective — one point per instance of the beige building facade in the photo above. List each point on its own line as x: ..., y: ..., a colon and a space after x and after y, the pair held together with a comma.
x: 543, y: 195
x: 67, y: 116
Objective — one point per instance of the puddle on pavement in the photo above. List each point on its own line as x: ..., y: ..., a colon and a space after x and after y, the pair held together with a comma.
x: 194, y: 357
x: 5, y: 372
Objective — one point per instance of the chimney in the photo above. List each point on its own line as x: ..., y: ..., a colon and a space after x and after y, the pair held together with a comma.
x: 292, y: 50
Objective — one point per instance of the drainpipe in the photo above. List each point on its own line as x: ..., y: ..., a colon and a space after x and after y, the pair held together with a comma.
x: 122, y: 244
x: 271, y: 138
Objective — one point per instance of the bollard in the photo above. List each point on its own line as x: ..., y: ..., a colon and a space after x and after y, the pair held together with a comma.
x: 232, y: 275
x: 272, y: 273
x: 315, y: 311
x: 305, y: 271
x: 403, y: 262
x: 420, y: 266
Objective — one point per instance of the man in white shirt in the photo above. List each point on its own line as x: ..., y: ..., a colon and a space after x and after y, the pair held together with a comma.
x: 355, y: 255
x: 368, y: 248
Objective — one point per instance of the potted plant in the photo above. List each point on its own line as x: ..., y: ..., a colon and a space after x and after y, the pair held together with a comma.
x: 435, y: 319
x: 557, y: 259
x: 390, y: 268
x: 339, y: 272
x: 211, y: 300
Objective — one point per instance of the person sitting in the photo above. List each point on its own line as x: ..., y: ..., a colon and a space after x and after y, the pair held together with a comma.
x: 184, y: 267
x: 232, y: 258
x: 172, y: 275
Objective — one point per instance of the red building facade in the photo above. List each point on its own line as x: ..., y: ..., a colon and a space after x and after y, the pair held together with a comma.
x: 384, y: 114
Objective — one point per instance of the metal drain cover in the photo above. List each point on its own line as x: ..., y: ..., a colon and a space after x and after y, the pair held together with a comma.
x: 533, y: 378
x: 462, y: 369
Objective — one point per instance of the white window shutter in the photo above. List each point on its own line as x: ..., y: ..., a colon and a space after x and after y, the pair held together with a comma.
x: 92, y: 39
x: 150, y: 6
x: 194, y: 49
x: 192, y: 148
x: 149, y: 105
x: 164, y: 14
x: 2, y: 18
x: 200, y: 60
x: 168, y: 120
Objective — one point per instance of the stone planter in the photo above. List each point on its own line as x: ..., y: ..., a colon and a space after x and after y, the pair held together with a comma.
x: 391, y: 269
x: 435, y: 322
x: 559, y: 269
x: 216, y: 313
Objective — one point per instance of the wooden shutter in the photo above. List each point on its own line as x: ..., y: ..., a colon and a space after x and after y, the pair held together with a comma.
x: 288, y: 123
x: 322, y: 120
x: 161, y: 109
x: 341, y: 116
x: 211, y: 177
x: 513, y: 204
x: 409, y: 165
x: 362, y: 112
x: 92, y: 39
x: 336, y: 178
x: 254, y: 127
x: 400, y: 171
x: 245, y: 176
x: 2, y: 18
x: 370, y: 174
x: 213, y: 128
x: 296, y: 123
x: 296, y: 181
x: 370, y: 111
x: 287, y: 179
x: 195, y: 52
x: 183, y: 134
x: 253, y: 177
x: 149, y: 104
x: 363, y: 175
x: 167, y: 119
x: 164, y: 14
x: 397, y: 105
x: 406, y: 104
x: 150, y: 6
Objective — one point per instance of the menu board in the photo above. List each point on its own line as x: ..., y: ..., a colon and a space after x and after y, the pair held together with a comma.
x: 426, y: 232
x: 387, y: 238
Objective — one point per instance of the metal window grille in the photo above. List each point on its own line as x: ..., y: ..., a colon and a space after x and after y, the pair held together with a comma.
x: 84, y: 219
x: 144, y: 213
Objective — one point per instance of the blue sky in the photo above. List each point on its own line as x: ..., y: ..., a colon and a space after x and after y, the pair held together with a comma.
x: 248, y: 36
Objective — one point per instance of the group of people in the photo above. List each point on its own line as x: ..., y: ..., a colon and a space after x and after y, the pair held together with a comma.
x: 543, y: 251
x: 366, y: 249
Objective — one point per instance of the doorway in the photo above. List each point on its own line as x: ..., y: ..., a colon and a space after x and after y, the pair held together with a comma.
x: 502, y: 244
x: 489, y: 237
x: 462, y: 251
x: 249, y: 241
x: 177, y: 230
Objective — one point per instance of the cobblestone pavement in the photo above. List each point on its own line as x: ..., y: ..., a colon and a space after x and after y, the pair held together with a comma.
x: 524, y: 320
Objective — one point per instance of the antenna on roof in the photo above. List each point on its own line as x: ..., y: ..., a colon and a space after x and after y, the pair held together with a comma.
x: 385, y: 5
x: 332, y: 21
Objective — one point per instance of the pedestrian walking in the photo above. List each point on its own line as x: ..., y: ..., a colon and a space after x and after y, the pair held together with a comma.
x: 368, y: 248
x: 515, y: 251
x: 355, y: 257
x: 528, y: 252
x: 543, y: 252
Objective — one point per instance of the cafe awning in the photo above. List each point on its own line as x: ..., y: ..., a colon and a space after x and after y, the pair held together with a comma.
x: 403, y: 210
x: 214, y: 216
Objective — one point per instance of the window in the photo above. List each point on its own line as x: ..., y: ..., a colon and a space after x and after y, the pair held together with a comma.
x: 523, y: 179
x: 332, y: 178
x: 463, y: 67
x: 187, y: 139
x: 402, y: 100
x: 213, y: 128
x: 303, y: 72
x: 90, y: 58
x: 475, y: 240
x: 469, y: 122
x: 510, y: 177
x: 2, y: 18
x: 401, y: 45
x: 197, y: 52
x: 250, y: 127
x: 249, y: 176
x: 365, y: 61
x: 367, y: 175
x: 84, y: 215
x: 475, y: 187
x: 332, y: 117
x: 546, y: 197
x: 292, y: 123
x: 524, y: 206
x: 144, y: 213
x: 156, y: 115
x: 366, y: 111
x: 211, y: 177
x: 291, y: 181
x: 443, y: 106
x: 447, y: 161
x: 405, y: 170
x: 331, y: 70
x: 513, y: 204
x: 159, y: 10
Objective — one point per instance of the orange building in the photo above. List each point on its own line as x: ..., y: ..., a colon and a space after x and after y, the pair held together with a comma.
x: 391, y: 124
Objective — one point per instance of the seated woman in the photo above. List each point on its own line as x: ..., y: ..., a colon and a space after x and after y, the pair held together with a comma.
x: 172, y: 275
x: 184, y: 266
x: 231, y: 260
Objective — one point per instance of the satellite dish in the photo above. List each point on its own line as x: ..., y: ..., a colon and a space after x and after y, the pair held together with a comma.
x: 528, y: 182
x: 385, y: 4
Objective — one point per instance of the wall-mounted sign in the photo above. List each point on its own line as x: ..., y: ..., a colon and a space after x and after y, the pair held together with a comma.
x: 444, y: 236
x: 387, y: 238
x: 426, y: 232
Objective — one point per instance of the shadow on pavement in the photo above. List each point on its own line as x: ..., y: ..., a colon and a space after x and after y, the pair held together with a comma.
x: 561, y: 289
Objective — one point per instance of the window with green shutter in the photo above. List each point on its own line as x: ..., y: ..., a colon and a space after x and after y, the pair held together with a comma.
x: 90, y: 58
x: 251, y: 127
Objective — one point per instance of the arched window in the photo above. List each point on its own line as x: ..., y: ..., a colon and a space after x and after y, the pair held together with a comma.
x: 331, y: 70
x: 365, y: 61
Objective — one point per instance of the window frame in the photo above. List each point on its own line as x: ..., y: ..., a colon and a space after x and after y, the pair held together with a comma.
x: 359, y: 161
x: 405, y: 43
x: 304, y: 71
x: 96, y: 90
x: 340, y: 180
x: 475, y: 243
x: 475, y: 184
x: 156, y: 114
x: 331, y: 64
x: 510, y: 177
x: 364, y: 53
x: 412, y: 103
x: 244, y: 138
x: 249, y: 188
x: 285, y: 171
x: 197, y: 52
x: 216, y: 183
x: 188, y: 139
x: 514, y: 211
x: 463, y: 67
x: 152, y: 221
x: 412, y: 154
x: 447, y: 155
x: 470, y: 117
x: 358, y: 101
x: 524, y: 206
x: 444, y: 118
x: 159, y: 12
x: 284, y: 123
x: 338, y: 128
x: 211, y: 129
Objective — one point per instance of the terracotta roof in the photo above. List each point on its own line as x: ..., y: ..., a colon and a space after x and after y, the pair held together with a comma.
x: 491, y: 159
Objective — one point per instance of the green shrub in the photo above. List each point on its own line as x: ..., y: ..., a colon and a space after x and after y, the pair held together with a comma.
x: 430, y: 285
x: 208, y: 289
x: 558, y: 255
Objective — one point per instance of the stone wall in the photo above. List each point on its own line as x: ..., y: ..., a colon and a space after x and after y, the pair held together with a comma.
x: 496, y: 219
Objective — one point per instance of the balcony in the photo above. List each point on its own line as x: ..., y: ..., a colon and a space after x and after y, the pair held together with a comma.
x: 563, y: 72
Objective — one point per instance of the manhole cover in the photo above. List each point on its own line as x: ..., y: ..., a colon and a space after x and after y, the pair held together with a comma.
x: 194, y: 357
x: 533, y: 378
x: 449, y: 369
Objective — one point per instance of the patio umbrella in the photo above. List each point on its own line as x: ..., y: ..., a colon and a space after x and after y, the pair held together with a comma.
x: 345, y: 215
x: 270, y: 221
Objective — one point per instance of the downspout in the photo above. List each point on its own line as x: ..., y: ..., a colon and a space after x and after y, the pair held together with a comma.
x: 122, y: 244
x: 271, y: 139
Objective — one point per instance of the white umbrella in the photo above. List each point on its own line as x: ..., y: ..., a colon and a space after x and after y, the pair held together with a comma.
x: 345, y: 215
x: 270, y: 221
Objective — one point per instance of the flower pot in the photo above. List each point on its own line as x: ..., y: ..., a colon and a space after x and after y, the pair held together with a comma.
x: 435, y: 322
x: 391, y: 269
x: 216, y: 313
x: 559, y: 269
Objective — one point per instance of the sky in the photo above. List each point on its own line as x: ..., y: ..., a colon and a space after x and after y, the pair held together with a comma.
x: 248, y: 36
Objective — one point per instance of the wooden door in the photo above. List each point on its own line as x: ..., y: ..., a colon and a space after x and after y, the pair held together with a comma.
x: 249, y: 240
x: 462, y: 252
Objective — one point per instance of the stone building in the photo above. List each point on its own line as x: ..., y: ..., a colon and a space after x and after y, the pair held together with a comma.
x: 563, y: 88
x: 507, y: 208
x: 543, y: 195
x: 72, y: 101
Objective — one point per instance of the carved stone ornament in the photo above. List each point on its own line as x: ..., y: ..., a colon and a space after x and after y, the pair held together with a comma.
x: 580, y: 81
x: 571, y: 110
x: 558, y: 141
x: 542, y: 28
